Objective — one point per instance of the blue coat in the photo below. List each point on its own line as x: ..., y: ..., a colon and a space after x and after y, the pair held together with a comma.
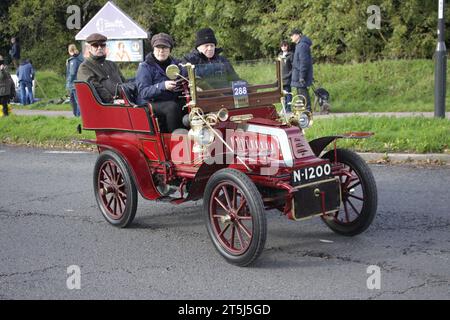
x: 72, y: 65
x: 150, y: 81
x: 302, y: 67
x: 25, y: 72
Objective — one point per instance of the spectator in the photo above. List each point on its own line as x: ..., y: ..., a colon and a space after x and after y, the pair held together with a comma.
x: 15, y: 52
x: 154, y: 86
x: 286, y: 68
x: 7, y: 87
x: 72, y: 65
x: 302, y: 68
x: 209, y: 63
x: 25, y: 76
x: 103, y: 74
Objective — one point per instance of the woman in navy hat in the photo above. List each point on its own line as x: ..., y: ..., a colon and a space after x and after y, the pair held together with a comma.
x: 155, y: 87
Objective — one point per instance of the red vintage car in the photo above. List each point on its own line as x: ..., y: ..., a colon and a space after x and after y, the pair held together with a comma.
x: 236, y: 152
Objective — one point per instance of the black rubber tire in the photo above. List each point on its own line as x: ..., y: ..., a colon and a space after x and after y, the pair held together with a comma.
x: 256, y: 208
x: 369, y: 190
x: 130, y: 189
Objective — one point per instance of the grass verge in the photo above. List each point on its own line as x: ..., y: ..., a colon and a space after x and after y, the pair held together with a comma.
x: 41, y: 131
x: 415, y: 135
x: 407, y: 135
x: 381, y: 86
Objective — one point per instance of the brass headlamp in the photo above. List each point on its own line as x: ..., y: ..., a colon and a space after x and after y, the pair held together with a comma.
x: 300, y: 116
x: 201, y: 131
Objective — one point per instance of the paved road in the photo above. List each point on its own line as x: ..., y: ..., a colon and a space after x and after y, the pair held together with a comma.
x: 49, y: 221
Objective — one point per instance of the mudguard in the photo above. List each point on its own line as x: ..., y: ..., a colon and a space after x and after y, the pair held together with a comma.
x: 134, y: 159
x: 203, y: 174
x: 319, y: 144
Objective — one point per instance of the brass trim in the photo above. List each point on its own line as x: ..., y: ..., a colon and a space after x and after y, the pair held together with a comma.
x: 241, y: 118
x: 314, y: 215
x: 317, y: 182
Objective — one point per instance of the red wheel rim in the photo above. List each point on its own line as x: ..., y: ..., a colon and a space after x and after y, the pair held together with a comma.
x: 112, y: 190
x: 353, y: 196
x: 230, y: 218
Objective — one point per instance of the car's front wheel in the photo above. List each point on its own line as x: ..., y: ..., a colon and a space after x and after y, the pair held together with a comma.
x: 235, y: 216
x: 359, y: 194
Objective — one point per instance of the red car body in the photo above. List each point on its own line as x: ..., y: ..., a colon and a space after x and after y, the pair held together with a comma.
x: 131, y: 141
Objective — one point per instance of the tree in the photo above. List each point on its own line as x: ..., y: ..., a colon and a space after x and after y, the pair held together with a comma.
x: 246, y: 29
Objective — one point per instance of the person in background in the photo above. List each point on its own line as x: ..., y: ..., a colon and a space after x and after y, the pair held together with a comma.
x: 103, y: 74
x: 155, y: 87
x: 25, y: 76
x: 286, y: 68
x: 72, y: 66
x: 15, y: 52
x: 302, y: 66
x: 7, y: 87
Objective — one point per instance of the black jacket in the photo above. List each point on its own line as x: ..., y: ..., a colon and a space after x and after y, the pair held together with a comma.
x: 7, y: 86
x: 15, y: 51
x: 218, y: 67
x: 286, y: 67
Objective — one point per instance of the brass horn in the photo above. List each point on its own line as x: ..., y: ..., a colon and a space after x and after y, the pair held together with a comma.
x: 213, y: 118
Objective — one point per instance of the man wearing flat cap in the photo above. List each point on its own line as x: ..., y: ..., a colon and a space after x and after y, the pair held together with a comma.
x: 103, y: 74
x: 302, y: 67
x: 206, y: 56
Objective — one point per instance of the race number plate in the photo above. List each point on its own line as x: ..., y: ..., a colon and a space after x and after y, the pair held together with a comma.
x: 240, y: 94
x: 310, y: 174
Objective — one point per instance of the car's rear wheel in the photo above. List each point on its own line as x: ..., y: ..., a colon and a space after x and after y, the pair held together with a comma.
x: 235, y: 216
x: 359, y: 194
x: 114, y: 189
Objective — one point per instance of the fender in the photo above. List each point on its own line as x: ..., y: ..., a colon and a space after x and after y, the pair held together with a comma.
x: 133, y: 157
x: 319, y: 144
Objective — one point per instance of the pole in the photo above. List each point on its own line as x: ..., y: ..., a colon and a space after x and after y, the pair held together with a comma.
x: 440, y: 75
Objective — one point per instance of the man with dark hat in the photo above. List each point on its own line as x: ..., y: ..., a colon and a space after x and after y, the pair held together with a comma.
x: 207, y: 54
x: 103, y: 74
x: 302, y: 67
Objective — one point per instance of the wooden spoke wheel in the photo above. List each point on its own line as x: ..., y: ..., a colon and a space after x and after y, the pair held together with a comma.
x: 115, y: 190
x: 235, y: 216
x: 359, y: 194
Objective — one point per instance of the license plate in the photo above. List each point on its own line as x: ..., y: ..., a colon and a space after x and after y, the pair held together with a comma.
x: 309, y: 174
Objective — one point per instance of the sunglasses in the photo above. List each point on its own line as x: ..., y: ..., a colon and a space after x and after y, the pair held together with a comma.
x: 96, y: 45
